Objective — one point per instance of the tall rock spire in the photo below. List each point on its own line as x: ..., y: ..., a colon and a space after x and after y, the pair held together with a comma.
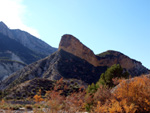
x: 72, y: 45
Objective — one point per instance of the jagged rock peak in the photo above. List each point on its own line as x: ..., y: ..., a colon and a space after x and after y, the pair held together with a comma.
x: 72, y: 45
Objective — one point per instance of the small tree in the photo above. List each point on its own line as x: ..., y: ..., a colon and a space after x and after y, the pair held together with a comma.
x: 115, y: 71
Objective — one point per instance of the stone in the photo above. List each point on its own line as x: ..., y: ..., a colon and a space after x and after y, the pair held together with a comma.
x: 72, y: 45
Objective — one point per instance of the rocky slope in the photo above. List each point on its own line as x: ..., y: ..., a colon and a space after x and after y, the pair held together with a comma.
x: 14, y: 56
x: 73, y: 60
x: 60, y: 64
x: 19, y: 48
x: 13, y: 50
x: 31, y: 87
x: 135, y: 68
x: 27, y: 40
x: 8, y: 67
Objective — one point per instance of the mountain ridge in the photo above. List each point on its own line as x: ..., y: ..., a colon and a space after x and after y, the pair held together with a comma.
x: 134, y: 67
x: 26, y: 39
x: 59, y: 64
x: 67, y: 64
x: 21, y: 48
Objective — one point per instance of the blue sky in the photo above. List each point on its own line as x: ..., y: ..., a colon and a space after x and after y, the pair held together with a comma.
x: 121, y: 25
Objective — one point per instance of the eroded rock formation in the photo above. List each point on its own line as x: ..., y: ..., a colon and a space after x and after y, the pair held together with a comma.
x: 72, y: 45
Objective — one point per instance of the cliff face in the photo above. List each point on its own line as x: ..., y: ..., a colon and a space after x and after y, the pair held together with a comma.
x: 72, y: 45
x: 135, y: 68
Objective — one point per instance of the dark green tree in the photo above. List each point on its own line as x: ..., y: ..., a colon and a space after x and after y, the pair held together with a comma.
x: 114, y: 71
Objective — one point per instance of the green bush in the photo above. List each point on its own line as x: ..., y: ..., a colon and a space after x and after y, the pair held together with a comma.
x: 115, y: 71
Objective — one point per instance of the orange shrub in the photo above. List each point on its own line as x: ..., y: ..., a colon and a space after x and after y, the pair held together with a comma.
x: 115, y: 106
x: 136, y: 91
x: 75, y: 102
x: 55, y: 100
x: 38, y: 98
x: 102, y: 94
x: 130, y: 96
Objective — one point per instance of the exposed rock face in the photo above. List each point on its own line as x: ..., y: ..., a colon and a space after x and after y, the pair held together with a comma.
x: 27, y: 40
x: 9, y: 55
x: 73, y: 60
x: 134, y: 67
x: 9, y: 67
x: 9, y: 63
x: 60, y: 64
x: 19, y: 46
x: 12, y: 50
x: 72, y: 45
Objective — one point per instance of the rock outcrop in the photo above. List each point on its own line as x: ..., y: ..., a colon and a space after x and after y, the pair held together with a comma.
x: 135, y: 68
x: 72, y: 45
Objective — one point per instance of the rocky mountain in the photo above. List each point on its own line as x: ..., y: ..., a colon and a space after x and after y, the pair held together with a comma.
x: 12, y: 50
x: 18, y: 48
x: 108, y: 58
x: 72, y: 45
x: 27, y: 40
x: 59, y: 64
x: 73, y: 60
x: 135, y: 68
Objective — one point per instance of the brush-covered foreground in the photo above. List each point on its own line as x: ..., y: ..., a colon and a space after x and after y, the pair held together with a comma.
x: 130, y: 96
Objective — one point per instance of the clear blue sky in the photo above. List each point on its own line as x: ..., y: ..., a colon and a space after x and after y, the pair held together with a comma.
x: 121, y: 25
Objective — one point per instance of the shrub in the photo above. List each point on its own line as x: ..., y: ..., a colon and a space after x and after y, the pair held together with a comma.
x: 135, y: 91
x: 115, y: 71
x: 38, y: 97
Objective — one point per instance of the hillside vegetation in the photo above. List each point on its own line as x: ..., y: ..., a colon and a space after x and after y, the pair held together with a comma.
x: 124, y: 95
